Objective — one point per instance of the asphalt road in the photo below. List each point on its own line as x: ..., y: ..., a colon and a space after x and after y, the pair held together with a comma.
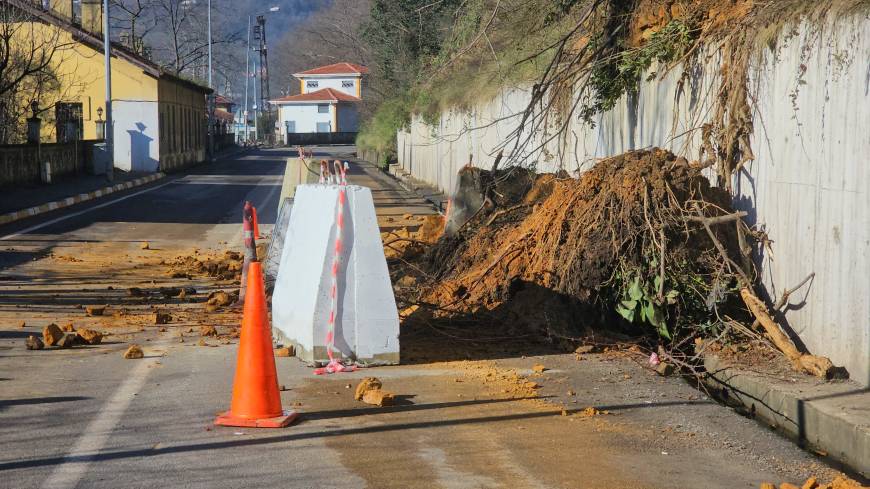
x: 87, y: 418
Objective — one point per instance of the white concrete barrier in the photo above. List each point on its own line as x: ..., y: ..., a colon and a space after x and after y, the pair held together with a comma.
x: 367, y: 322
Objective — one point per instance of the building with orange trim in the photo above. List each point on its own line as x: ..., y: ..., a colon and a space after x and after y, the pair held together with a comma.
x: 328, y: 101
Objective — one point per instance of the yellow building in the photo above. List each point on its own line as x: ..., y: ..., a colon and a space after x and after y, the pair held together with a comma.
x: 159, y: 118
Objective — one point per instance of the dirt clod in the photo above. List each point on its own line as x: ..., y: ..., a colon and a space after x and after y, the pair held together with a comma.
x: 68, y: 328
x: 22, y: 324
x: 95, y: 310
x: 378, y: 397
x: 67, y: 341
x: 207, y: 331
x: 539, y: 369
x: 219, y: 298
x: 664, y: 369
x: 287, y: 351
x: 145, y: 245
x: 367, y: 384
x: 134, y: 352
x: 89, y: 336
x: 34, y: 343
x: 51, y: 334
x: 160, y: 317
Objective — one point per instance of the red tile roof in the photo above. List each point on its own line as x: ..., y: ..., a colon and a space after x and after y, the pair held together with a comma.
x: 220, y: 99
x: 322, y: 95
x: 336, y: 69
x: 224, y: 115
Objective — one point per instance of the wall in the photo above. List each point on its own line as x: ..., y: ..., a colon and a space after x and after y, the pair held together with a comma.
x: 332, y: 83
x: 808, y: 187
x: 182, y: 122
x: 305, y: 116
x: 348, y: 117
x: 21, y: 164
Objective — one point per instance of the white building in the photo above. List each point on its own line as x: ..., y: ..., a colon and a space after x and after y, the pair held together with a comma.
x: 328, y: 102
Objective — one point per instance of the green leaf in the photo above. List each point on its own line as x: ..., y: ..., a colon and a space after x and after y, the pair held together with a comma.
x: 672, y: 295
x: 629, y: 304
x: 635, y: 291
x: 628, y: 314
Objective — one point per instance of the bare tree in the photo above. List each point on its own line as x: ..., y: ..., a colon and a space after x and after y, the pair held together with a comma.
x: 28, y: 53
x: 136, y: 19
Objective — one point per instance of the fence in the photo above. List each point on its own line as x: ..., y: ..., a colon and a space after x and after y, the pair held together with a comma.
x: 312, y: 138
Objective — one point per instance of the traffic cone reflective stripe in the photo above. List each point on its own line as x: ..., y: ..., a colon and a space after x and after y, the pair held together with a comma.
x: 256, y: 224
x: 256, y: 399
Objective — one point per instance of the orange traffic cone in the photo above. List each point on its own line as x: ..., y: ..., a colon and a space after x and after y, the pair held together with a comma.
x: 256, y: 226
x: 256, y: 402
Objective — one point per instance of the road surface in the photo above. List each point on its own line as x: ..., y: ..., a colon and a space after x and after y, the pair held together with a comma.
x: 86, y: 417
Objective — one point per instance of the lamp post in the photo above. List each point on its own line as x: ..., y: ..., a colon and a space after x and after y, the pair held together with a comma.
x: 210, y: 95
x: 107, y: 54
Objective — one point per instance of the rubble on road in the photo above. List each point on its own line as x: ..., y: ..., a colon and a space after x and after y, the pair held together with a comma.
x: 840, y: 482
x: 51, y: 334
x: 379, y: 397
x: 365, y: 385
x: 67, y: 341
x: 34, y: 343
x: 219, y: 299
x: 287, y: 351
x: 95, y: 310
x: 89, y: 336
x: 207, y: 331
x: 134, y: 352
x: 161, y: 317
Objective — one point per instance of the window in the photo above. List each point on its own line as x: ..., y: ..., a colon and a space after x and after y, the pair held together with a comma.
x: 311, y: 84
x: 322, y: 108
x: 69, y: 125
x: 323, y: 127
x: 347, y: 84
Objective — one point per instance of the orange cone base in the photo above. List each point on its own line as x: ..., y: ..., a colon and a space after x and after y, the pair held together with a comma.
x: 283, y: 421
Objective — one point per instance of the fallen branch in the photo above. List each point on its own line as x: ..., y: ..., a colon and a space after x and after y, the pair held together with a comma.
x: 812, y: 364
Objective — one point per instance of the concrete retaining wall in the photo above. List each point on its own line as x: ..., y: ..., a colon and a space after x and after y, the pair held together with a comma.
x: 808, y: 188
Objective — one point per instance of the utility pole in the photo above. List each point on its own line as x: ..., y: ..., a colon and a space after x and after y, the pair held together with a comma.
x: 109, y: 130
x: 260, y: 33
x: 211, y: 95
x: 247, y: 79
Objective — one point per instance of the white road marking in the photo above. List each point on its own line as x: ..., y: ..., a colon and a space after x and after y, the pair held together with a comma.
x: 69, y: 473
x: 75, y: 214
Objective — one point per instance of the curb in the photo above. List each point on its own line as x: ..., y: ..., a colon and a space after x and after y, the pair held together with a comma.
x: 76, y: 199
x: 814, y: 418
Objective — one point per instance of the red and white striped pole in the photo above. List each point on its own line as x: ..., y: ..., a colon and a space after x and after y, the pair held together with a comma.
x: 250, y: 246
x: 334, y: 364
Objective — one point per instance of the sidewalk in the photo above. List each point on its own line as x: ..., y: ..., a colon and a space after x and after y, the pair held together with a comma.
x: 24, y: 196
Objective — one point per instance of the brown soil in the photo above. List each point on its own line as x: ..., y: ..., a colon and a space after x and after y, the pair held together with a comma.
x: 540, y: 261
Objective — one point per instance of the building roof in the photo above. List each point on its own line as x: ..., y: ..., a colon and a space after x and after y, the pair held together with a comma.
x: 224, y: 115
x: 220, y: 99
x: 322, y: 95
x: 95, y: 42
x: 335, y: 69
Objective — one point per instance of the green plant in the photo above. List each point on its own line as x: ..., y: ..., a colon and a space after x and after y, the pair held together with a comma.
x: 641, y: 304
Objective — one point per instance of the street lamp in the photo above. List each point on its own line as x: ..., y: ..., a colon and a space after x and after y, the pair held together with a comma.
x: 248, y: 74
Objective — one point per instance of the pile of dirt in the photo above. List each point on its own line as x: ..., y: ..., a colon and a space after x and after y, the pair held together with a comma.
x: 560, y: 257
x: 227, y: 266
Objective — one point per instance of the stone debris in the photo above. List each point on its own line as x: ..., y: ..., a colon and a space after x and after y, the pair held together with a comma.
x: 22, y: 324
x: 95, y: 310
x: 378, y: 397
x: 539, y: 369
x: 202, y: 342
x: 68, y: 328
x: 219, y: 298
x: 34, y: 343
x: 367, y: 384
x: 145, y: 245
x: 664, y: 369
x: 89, y: 336
x: 207, y: 331
x: 287, y: 351
x: 161, y: 317
x: 67, y: 341
x: 134, y: 352
x: 51, y: 334
x: 585, y: 349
